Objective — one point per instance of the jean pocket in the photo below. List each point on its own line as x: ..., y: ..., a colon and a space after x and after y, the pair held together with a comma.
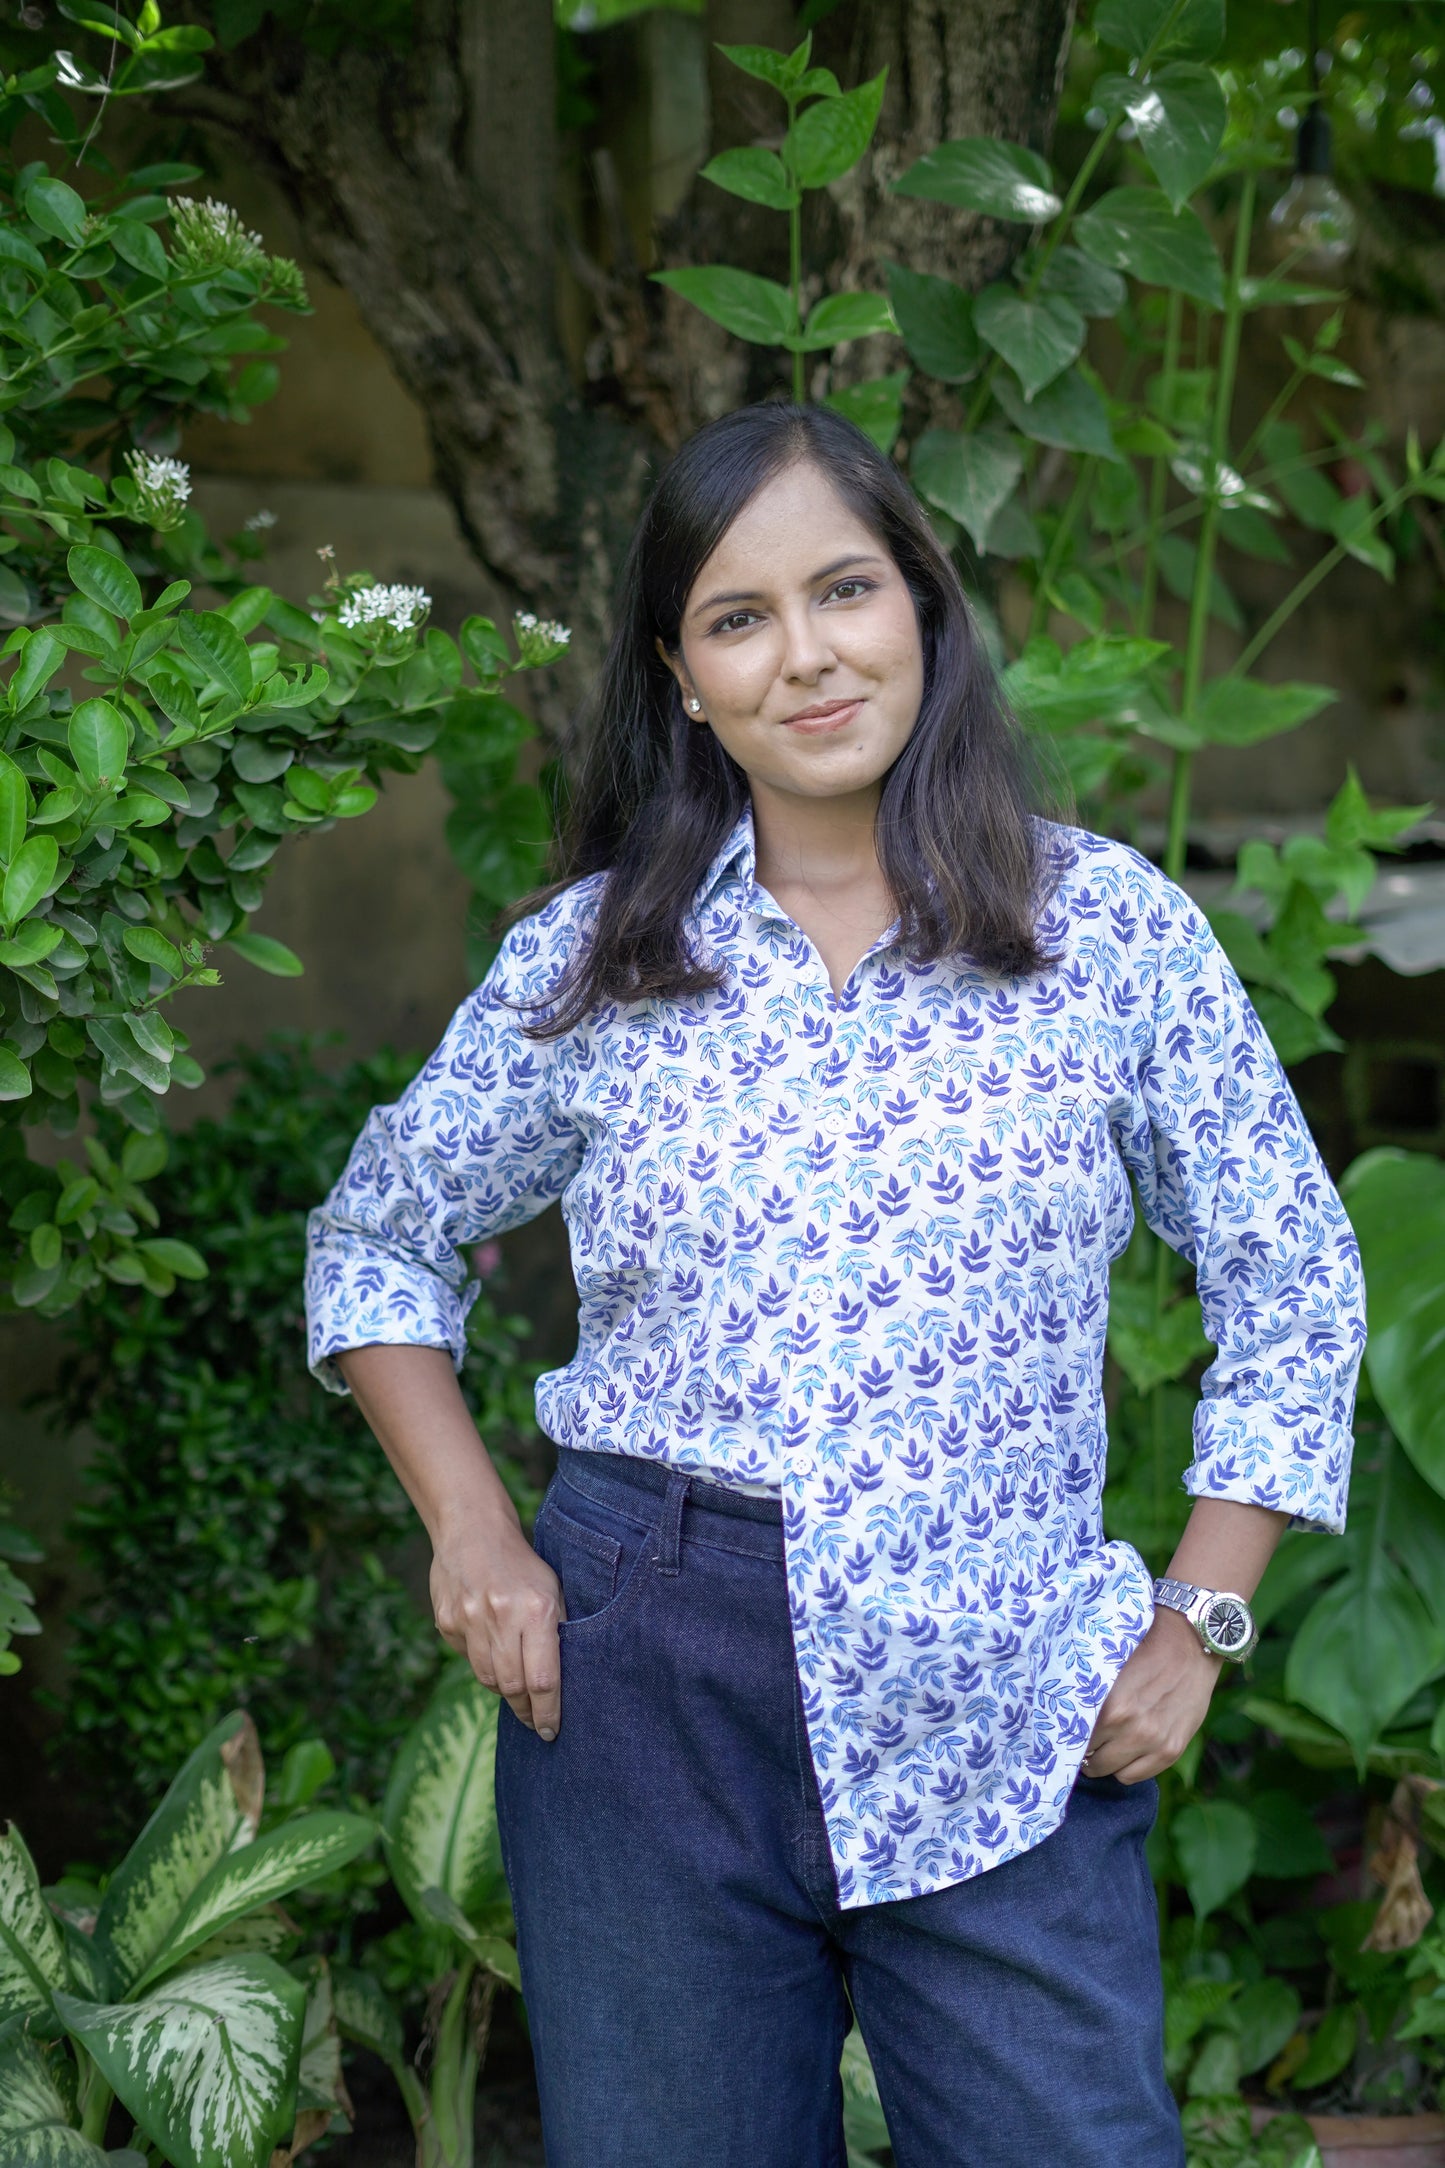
x: 584, y: 1560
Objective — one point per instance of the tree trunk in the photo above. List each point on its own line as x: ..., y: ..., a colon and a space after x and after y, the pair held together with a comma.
x: 426, y: 182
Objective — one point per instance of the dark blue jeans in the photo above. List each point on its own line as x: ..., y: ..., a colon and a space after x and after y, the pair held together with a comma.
x: 687, y: 1969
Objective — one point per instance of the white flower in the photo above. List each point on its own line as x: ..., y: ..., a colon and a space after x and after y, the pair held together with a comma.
x: 402, y: 608
x: 209, y: 236
x: 260, y: 521
x: 539, y: 640
x: 163, y: 487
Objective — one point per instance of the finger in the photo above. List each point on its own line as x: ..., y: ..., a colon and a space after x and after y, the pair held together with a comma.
x: 542, y: 1658
x: 509, y: 1663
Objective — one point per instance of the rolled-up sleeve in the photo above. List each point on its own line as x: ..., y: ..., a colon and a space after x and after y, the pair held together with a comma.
x: 1229, y: 1175
x: 476, y: 1145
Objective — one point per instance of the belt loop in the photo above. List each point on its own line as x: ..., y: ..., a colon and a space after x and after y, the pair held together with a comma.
x: 669, y: 1534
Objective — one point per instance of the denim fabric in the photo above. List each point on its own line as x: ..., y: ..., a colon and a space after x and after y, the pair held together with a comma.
x: 686, y: 1963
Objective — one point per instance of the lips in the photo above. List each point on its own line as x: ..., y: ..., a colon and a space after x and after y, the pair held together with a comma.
x: 827, y: 715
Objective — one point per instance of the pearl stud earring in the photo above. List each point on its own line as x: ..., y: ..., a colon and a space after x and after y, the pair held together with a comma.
x: 696, y: 706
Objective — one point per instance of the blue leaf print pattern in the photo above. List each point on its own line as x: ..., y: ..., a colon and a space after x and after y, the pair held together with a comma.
x: 856, y: 1247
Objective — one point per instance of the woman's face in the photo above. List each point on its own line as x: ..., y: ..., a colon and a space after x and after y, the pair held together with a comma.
x: 800, y: 642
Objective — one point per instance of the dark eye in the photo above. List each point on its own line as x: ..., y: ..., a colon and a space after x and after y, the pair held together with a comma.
x: 729, y: 623
x: 854, y: 580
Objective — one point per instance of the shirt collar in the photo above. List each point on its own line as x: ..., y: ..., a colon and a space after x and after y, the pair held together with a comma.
x: 739, y: 850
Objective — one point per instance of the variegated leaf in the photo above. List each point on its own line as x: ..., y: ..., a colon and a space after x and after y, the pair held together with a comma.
x: 35, y: 2121
x: 212, y: 1808
x: 321, y: 2086
x: 32, y: 1951
x: 439, y: 1819
x: 291, y: 1856
x: 269, y: 1931
x: 365, y: 2013
x: 492, y: 1951
x: 206, y: 2063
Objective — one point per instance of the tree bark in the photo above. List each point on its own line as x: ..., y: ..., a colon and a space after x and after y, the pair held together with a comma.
x: 426, y: 183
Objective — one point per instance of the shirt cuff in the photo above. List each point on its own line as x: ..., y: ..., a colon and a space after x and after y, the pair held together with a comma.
x: 349, y: 1306
x: 1272, y: 1453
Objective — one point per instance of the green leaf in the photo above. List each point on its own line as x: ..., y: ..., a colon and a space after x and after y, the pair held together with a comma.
x: 152, y: 946
x: 439, y: 1817
x: 1242, y: 711
x: 935, y: 318
x: 1289, y: 1846
x: 29, y: 879
x: 206, y: 2064
x: 365, y: 2014
x: 1196, y: 32
x: 40, y: 658
x: 838, y: 317
x: 213, y: 643
x: 14, y: 808
x: 106, y: 579
x: 1363, y: 1651
x: 1038, y: 339
x: 32, y: 1953
x: 35, y: 2119
x: 99, y: 743
x: 299, y: 1852
x: 491, y: 1951
x: 1264, y: 2016
x: 782, y: 70
x: 1092, y: 287
x: 828, y: 138
x: 757, y: 176
x: 969, y: 477
x: 139, y: 246
x: 1134, y: 230
x: 1352, y: 527
x: 1068, y: 413
x: 876, y: 407
x: 1214, y: 1843
x: 1152, y: 1350
x: 212, y: 1808
x: 751, y: 308
x: 1179, y: 114
x: 1396, y: 1203
x: 174, y: 1256
x: 978, y: 173
x: 1332, y: 2046
x: 56, y: 209
x: 267, y: 954
x: 15, y: 1082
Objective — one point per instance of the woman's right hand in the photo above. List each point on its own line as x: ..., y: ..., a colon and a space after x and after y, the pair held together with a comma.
x: 494, y: 1600
x: 498, y: 1604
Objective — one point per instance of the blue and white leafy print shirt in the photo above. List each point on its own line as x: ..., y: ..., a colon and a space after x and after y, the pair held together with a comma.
x: 859, y: 1246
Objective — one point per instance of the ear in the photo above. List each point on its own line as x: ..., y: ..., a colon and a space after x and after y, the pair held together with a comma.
x: 676, y: 665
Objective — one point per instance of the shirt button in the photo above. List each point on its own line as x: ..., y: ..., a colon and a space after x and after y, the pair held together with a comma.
x: 817, y: 1297
x: 836, y: 1122
x: 804, y: 1465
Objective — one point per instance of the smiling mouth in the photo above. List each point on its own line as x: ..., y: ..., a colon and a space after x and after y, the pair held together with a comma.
x: 827, y: 715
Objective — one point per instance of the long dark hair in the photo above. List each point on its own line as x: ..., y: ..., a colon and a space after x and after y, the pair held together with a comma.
x: 656, y: 795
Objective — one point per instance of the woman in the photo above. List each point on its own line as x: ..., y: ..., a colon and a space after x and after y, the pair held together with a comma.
x: 823, y: 1686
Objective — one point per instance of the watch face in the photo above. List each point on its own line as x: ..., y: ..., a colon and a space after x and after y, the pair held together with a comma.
x: 1227, y: 1626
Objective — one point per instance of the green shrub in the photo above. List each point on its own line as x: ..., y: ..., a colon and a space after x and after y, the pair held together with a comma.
x: 243, y: 1526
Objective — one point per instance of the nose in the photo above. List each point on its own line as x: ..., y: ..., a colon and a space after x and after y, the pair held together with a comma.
x: 807, y: 652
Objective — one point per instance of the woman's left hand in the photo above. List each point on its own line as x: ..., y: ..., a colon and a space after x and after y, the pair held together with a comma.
x: 1156, y: 1704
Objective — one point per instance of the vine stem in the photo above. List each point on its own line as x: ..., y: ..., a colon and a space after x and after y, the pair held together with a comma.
x: 1068, y: 517
x: 1159, y: 473
x: 1305, y: 587
x: 1209, y: 528
x: 795, y: 280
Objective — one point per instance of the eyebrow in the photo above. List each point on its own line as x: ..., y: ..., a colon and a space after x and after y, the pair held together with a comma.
x: 753, y: 594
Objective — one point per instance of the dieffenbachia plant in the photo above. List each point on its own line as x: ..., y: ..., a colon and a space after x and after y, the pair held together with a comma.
x: 439, y: 1828
x: 165, y: 2002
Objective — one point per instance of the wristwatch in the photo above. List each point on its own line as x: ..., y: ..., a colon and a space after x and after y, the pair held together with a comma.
x: 1222, y: 1620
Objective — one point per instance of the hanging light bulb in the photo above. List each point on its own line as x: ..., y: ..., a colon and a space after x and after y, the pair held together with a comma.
x: 1314, y: 223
